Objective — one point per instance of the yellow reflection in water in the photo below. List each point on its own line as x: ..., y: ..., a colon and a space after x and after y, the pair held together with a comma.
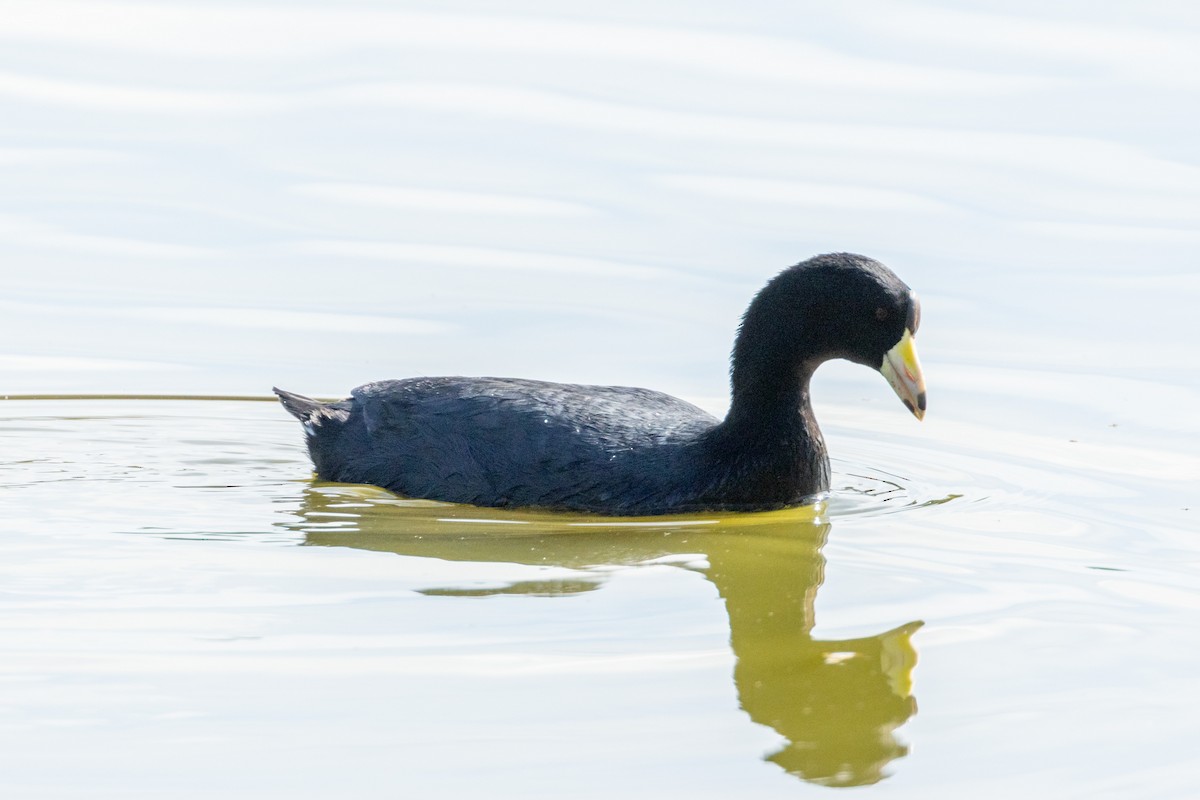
x: 836, y: 702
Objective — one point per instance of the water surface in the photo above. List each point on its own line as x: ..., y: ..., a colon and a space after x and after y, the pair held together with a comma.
x: 180, y: 593
x: 209, y: 199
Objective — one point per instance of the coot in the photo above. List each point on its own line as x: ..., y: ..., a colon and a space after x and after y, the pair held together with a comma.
x: 618, y: 450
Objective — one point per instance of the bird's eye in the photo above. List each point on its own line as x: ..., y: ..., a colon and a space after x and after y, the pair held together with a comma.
x: 881, y: 313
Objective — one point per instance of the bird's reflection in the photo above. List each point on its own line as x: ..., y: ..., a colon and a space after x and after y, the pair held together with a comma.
x: 837, y: 702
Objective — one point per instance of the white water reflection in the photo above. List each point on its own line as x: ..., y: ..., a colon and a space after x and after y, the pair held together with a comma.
x: 462, y: 160
x: 407, y: 197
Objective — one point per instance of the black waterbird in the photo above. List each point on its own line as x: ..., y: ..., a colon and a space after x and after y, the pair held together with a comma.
x: 625, y: 451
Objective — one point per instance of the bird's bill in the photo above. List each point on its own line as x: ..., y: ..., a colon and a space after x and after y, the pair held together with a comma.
x: 903, y: 371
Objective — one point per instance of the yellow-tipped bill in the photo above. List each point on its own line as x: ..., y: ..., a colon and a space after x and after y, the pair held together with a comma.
x: 903, y: 372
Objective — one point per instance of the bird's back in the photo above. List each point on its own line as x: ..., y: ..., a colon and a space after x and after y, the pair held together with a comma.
x: 497, y: 442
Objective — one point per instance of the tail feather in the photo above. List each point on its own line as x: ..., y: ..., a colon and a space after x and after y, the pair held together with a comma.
x: 324, y: 428
x: 301, y: 407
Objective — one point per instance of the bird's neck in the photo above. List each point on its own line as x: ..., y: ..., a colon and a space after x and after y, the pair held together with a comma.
x: 772, y: 407
x: 769, y: 440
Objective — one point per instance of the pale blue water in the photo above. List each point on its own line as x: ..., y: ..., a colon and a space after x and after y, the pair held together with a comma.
x: 213, y: 198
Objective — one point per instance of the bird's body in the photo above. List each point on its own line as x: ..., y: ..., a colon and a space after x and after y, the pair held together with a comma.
x: 494, y: 441
x: 613, y: 449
